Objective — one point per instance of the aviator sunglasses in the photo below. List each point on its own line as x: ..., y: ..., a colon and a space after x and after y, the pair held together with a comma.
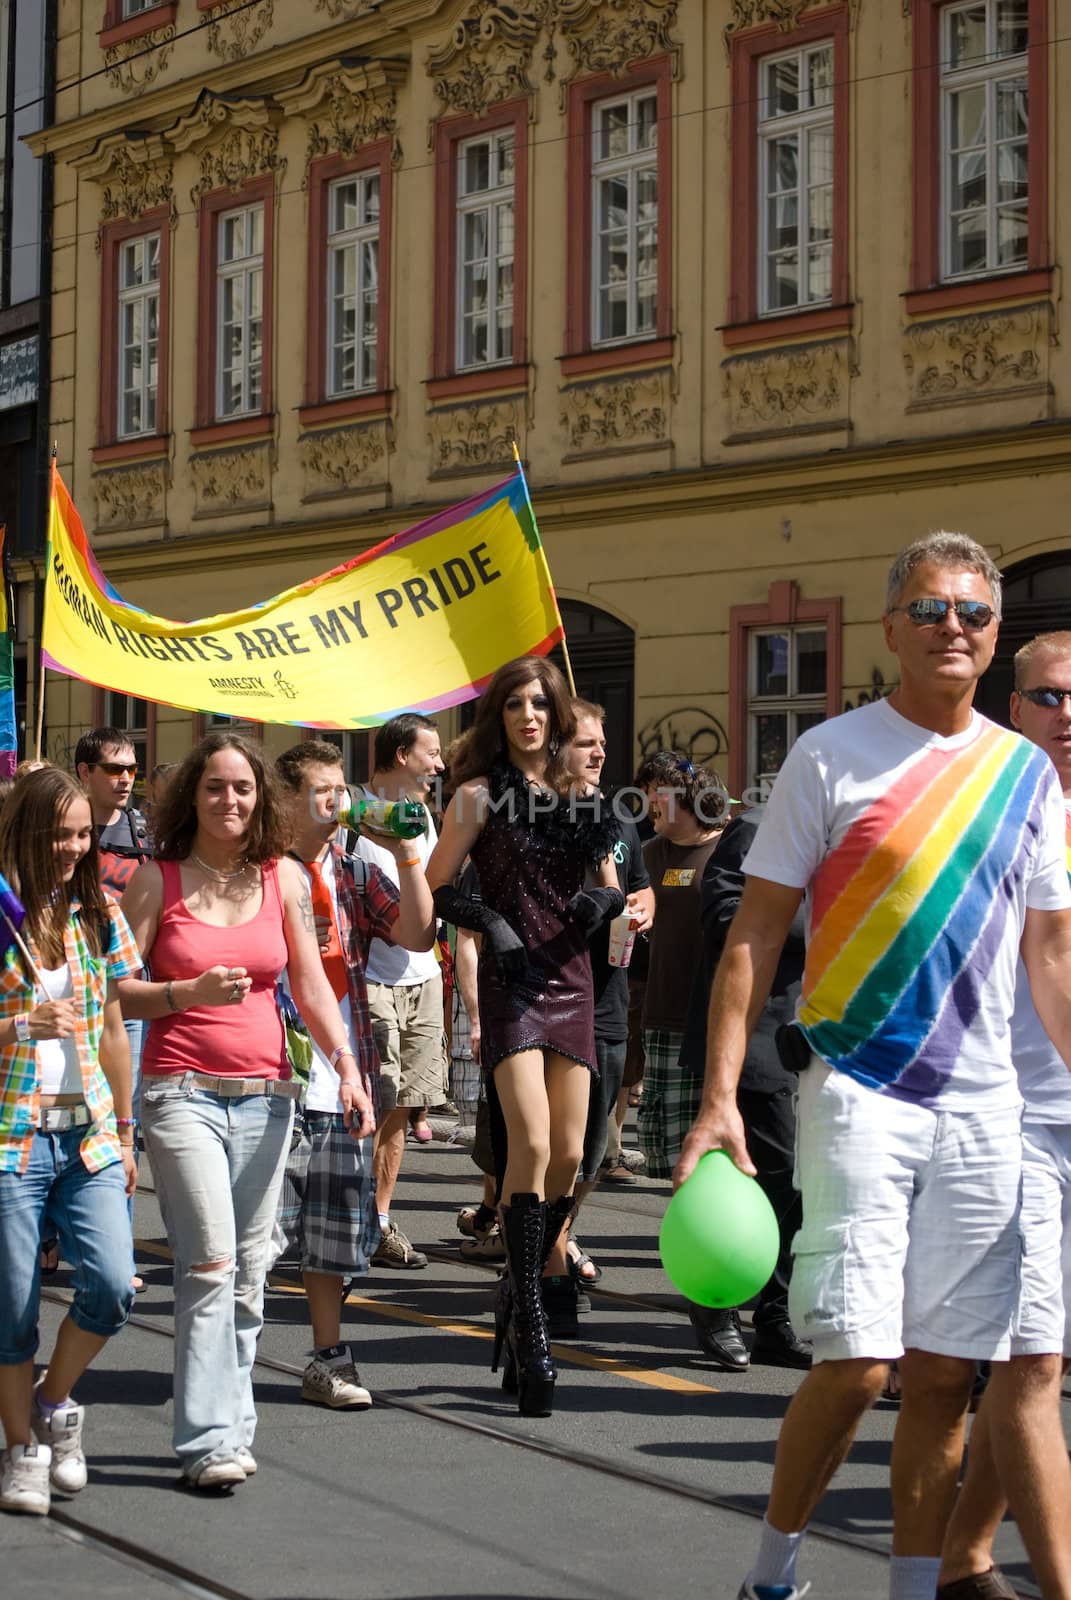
x: 1049, y: 698
x: 971, y: 613
x: 115, y: 769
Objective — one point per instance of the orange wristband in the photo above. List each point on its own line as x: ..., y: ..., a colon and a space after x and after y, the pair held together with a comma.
x: 410, y: 861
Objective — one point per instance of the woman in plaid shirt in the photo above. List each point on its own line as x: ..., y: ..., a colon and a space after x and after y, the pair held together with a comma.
x: 66, y: 1133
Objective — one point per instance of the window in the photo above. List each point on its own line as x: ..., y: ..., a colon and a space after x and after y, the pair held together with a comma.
x: 133, y: 19
x: 625, y: 218
x: 786, y: 694
x: 796, y: 180
x: 618, y: 223
x: 137, y: 719
x: 789, y: 180
x: 355, y: 751
x: 240, y: 312
x: 485, y: 242
x: 985, y: 116
x: 980, y: 86
x: 352, y: 284
x: 134, y: 8
x: 139, y: 334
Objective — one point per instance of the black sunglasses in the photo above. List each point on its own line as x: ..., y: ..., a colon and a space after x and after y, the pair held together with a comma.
x: 1049, y: 698
x: 115, y: 769
x: 925, y: 613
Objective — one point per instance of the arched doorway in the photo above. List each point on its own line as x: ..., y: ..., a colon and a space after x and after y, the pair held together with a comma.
x: 1037, y: 599
x: 602, y: 650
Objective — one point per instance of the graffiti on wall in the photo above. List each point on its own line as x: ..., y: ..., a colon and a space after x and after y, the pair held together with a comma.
x: 690, y: 729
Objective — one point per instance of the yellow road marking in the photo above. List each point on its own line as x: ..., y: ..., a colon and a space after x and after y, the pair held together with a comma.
x: 567, y: 1354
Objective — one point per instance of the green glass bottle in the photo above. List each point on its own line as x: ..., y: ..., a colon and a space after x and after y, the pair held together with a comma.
x: 406, y: 819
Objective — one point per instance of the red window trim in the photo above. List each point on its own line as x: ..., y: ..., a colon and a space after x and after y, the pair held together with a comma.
x: 783, y: 608
x: 322, y: 173
x: 145, y: 446
x: 449, y: 132
x: 113, y: 234
x: 928, y: 292
x: 118, y: 29
x: 253, y: 427
x: 212, y: 206
x: 150, y: 727
x: 748, y: 50
x: 583, y: 96
x: 493, y: 380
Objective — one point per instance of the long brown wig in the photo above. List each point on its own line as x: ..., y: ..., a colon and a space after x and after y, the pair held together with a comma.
x: 30, y: 822
x: 486, y: 741
x: 175, y: 823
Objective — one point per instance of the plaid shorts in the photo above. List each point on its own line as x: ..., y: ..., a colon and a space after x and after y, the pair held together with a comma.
x: 670, y: 1102
x: 327, y: 1210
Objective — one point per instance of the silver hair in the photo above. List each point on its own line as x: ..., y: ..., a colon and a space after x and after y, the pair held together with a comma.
x: 943, y: 550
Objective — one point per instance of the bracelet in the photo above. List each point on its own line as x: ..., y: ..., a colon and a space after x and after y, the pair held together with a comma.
x: 126, y: 1122
x: 410, y: 861
x: 22, y: 1027
x: 169, y: 995
x: 342, y: 1050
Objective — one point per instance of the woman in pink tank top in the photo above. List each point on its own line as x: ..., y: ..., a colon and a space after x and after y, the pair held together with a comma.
x: 217, y: 916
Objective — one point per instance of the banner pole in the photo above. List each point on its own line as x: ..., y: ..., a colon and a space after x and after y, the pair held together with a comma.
x: 44, y: 601
x: 543, y: 557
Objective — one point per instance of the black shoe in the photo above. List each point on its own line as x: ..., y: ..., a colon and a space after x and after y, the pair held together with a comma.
x: 780, y: 1345
x: 718, y: 1336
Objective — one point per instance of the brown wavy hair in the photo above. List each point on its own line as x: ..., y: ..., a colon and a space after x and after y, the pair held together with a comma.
x: 485, y: 742
x: 29, y: 827
x: 175, y: 823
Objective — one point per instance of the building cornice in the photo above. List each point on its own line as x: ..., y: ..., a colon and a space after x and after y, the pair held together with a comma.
x: 785, y: 481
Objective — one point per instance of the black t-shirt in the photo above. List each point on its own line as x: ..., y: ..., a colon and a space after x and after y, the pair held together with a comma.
x: 611, y: 983
x: 123, y: 846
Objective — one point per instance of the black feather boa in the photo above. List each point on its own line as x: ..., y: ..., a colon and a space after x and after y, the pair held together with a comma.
x: 582, y: 823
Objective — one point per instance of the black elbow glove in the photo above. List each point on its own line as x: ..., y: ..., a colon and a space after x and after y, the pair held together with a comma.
x: 504, y: 947
x: 592, y: 907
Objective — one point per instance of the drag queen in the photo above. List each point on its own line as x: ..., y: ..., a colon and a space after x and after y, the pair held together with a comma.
x: 531, y: 842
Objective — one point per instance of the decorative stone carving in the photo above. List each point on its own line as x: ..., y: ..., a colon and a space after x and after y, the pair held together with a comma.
x: 487, y: 56
x: 799, y: 386
x: 130, y: 497
x: 785, y: 14
x: 134, y: 172
x: 137, y: 63
x: 473, y: 438
x: 347, y: 10
x: 977, y: 356
x: 237, y: 479
x: 339, y: 461
x: 608, y: 35
x: 348, y: 104
x: 237, y: 139
x: 237, y: 27
x: 629, y: 413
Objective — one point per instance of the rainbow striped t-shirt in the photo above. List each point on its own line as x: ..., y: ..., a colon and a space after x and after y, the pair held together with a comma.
x: 920, y: 855
x: 1044, y: 1081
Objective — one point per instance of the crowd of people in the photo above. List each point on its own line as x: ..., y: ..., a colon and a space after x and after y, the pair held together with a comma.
x: 859, y: 989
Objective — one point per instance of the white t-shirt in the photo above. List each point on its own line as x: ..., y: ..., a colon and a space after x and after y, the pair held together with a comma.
x: 391, y: 963
x: 323, y: 1091
x: 1044, y: 1078
x: 58, y: 1058
x: 920, y: 855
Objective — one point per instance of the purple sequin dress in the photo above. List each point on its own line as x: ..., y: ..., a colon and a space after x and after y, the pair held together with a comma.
x: 529, y: 869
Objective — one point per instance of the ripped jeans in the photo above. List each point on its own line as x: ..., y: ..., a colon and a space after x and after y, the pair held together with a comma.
x: 218, y: 1165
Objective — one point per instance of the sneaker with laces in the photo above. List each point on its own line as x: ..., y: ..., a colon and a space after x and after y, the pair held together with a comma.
x: 220, y: 1470
x: 394, y: 1250
x: 334, y: 1381
x: 24, y: 1479
x: 61, y: 1430
x: 489, y: 1246
x: 246, y: 1460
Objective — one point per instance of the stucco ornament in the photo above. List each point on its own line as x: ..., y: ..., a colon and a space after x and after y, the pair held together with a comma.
x: 973, y: 357
x: 232, y: 480
x: 473, y: 437
x: 130, y: 497
x: 784, y: 14
x: 347, y: 103
x: 236, y: 139
x: 789, y: 387
x: 134, y: 172
x: 137, y: 63
x: 608, y: 35
x: 340, y: 460
x: 238, y: 27
x: 616, y: 414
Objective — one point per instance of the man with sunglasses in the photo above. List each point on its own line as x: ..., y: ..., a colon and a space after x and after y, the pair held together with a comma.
x: 105, y: 762
x: 930, y: 845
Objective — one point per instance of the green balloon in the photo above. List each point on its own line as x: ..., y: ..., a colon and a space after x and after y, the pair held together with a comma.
x: 719, y: 1239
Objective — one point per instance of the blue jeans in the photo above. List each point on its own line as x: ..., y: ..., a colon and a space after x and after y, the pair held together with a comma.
x: 218, y: 1165
x: 88, y: 1212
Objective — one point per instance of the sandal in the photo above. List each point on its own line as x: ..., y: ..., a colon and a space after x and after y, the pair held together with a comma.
x: 892, y: 1387
x: 635, y: 1094
x: 579, y: 1260
x: 49, y: 1257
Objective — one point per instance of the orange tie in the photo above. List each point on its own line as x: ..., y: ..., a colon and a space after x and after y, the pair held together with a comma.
x: 332, y: 957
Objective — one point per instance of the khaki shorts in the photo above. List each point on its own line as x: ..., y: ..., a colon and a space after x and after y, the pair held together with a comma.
x: 407, y: 1025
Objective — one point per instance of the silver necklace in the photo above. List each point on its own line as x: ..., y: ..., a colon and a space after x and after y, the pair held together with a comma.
x: 215, y: 872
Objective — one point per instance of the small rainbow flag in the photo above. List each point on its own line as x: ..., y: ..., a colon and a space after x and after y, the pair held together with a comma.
x: 8, y: 738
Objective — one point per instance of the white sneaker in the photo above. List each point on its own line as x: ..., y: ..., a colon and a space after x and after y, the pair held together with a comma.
x: 777, y: 1591
x: 61, y: 1429
x: 220, y: 1470
x: 246, y: 1460
x: 334, y: 1381
x: 24, y: 1479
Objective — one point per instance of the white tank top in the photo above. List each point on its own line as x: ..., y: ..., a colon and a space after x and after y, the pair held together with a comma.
x: 58, y: 1058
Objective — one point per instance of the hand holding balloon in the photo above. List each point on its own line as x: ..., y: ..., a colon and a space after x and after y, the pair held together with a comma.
x: 719, y: 1239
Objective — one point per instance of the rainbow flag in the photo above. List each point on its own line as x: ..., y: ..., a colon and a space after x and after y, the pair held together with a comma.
x: 9, y: 743
x: 909, y: 911
x: 417, y: 623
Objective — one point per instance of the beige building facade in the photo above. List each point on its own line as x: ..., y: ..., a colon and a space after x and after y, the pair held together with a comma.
x: 761, y: 289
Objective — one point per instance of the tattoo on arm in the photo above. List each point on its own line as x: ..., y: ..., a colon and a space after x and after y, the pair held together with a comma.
x: 308, y: 921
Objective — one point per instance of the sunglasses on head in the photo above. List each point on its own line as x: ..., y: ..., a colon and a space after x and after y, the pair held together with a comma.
x: 1049, y: 698
x: 115, y: 769
x: 971, y: 613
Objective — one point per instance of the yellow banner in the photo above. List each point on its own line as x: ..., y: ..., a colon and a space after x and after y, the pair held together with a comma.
x: 420, y: 622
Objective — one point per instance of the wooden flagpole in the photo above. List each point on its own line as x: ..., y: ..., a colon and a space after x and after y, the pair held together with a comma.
x: 565, y: 643
x: 40, y: 643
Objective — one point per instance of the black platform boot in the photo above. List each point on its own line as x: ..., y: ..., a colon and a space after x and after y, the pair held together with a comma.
x: 559, y: 1291
x: 520, y: 1322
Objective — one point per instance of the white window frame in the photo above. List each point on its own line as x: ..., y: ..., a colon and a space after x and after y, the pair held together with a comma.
x: 791, y: 704
x: 250, y: 269
x: 498, y: 194
x: 986, y: 73
x: 354, y: 748
x: 638, y: 159
x: 118, y: 712
x: 134, y: 8
x: 804, y: 123
x: 133, y: 297
x: 359, y: 242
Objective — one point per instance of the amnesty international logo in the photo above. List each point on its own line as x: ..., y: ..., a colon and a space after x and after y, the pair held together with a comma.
x: 285, y: 687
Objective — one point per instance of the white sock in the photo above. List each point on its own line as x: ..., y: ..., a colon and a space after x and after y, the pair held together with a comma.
x: 913, y: 1577
x: 384, y: 1221
x: 775, y: 1564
